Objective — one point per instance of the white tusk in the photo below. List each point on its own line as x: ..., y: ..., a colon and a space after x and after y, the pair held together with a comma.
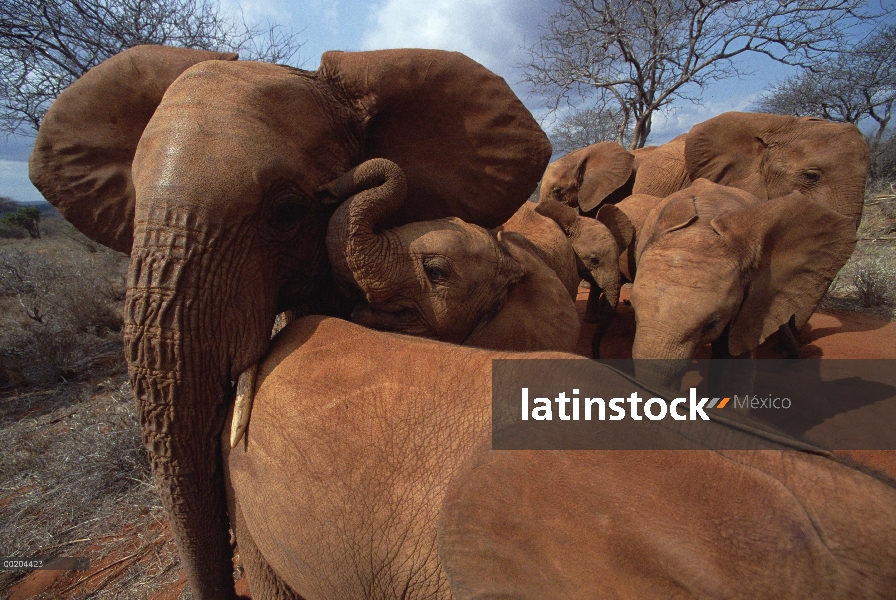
x: 245, y: 393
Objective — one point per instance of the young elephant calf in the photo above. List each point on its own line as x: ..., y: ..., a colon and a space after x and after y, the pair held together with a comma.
x: 510, y: 288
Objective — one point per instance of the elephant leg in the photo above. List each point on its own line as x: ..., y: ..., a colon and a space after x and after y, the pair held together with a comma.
x: 787, y: 341
x: 605, y: 315
x: 592, y: 310
x: 264, y: 584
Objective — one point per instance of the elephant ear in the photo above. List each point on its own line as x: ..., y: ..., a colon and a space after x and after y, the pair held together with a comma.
x: 660, y: 171
x: 730, y: 149
x: 82, y: 156
x: 604, y: 168
x: 676, y: 212
x: 537, y: 314
x: 468, y: 146
x: 618, y: 224
x: 794, y: 248
x: 563, y: 215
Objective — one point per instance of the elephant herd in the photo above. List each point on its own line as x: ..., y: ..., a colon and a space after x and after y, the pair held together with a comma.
x: 378, y: 204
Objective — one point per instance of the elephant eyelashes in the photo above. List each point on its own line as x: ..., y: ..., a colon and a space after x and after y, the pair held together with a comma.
x: 436, y: 269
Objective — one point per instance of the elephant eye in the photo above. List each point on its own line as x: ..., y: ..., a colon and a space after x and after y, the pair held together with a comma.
x: 710, y: 325
x: 286, y: 215
x: 436, y: 269
x: 811, y: 176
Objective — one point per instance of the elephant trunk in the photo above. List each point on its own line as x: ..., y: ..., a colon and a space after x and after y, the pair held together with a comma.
x: 357, y: 251
x: 659, y: 361
x: 181, y: 362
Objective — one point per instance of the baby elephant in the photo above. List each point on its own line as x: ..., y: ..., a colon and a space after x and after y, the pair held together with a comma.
x: 511, y: 288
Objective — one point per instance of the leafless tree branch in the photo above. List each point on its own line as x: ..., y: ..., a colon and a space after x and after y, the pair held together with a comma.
x: 46, y: 44
x: 644, y: 54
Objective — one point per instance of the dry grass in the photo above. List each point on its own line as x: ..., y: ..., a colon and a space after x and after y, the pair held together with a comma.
x: 867, y: 282
x: 60, y: 308
x: 74, y: 480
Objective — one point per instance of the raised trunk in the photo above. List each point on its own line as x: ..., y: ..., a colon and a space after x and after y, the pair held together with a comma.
x: 181, y: 361
x: 357, y: 251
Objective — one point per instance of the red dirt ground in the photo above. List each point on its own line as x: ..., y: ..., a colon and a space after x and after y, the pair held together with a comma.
x: 835, y: 334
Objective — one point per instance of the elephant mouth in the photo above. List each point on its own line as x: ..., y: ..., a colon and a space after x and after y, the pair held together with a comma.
x: 390, y: 318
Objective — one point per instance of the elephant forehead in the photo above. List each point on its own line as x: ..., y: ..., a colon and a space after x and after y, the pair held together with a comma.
x: 226, y: 132
x: 450, y: 237
x: 820, y: 144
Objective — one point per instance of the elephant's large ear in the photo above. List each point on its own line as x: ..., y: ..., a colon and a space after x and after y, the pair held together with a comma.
x: 794, y: 247
x: 561, y: 214
x: 618, y: 224
x: 660, y: 171
x: 537, y: 314
x: 605, y: 167
x: 729, y: 149
x: 671, y: 214
x: 468, y: 146
x: 82, y: 156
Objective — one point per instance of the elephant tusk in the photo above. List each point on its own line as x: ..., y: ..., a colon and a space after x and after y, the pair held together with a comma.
x: 245, y: 392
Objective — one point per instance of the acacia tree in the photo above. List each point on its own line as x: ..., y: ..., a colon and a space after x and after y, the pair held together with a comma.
x: 46, y: 44
x: 589, y: 126
x: 641, y: 55
x: 852, y: 86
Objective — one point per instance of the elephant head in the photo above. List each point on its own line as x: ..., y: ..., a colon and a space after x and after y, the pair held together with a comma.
x: 715, y: 260
x: 597, y: 243
x: 212, y: 174
x: 771, y: 156
x: 443, y: 279
x: 588, y: 177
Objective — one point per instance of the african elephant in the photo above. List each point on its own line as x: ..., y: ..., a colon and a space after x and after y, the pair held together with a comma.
x: 599, y: 245
x: 588, y: 177
x: 413, y: 502
x: 716, y: 264
x: 606, y: 173
x: 510, y: 288
x: 771, y: 156
x: 210, y: 173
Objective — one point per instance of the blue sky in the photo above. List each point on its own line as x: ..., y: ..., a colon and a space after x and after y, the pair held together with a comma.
x: 492, y: 32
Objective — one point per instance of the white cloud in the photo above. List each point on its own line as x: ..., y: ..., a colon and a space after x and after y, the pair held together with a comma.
x: 680, y: 117
x: 488, y: 31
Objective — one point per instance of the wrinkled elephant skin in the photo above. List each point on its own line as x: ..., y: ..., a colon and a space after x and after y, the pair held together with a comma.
x: 211, y: 172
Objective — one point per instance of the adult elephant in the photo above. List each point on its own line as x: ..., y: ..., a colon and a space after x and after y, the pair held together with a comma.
x: 210, y: 173
x: 414, y: 503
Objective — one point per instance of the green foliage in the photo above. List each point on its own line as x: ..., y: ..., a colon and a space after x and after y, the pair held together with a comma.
x: 27, y: 217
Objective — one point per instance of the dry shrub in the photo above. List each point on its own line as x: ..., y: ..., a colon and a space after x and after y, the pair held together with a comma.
x: 875, y: 283
x: 75, y: 481
x: 60, y: 311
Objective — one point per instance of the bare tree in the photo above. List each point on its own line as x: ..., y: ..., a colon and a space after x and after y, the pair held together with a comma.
x: 852, y: 86
x: 46, y: 44
x: 643, y: 54
x: 589, y: 126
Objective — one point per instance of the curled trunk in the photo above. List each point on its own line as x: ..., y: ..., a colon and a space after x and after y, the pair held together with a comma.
x: 377, y: 189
